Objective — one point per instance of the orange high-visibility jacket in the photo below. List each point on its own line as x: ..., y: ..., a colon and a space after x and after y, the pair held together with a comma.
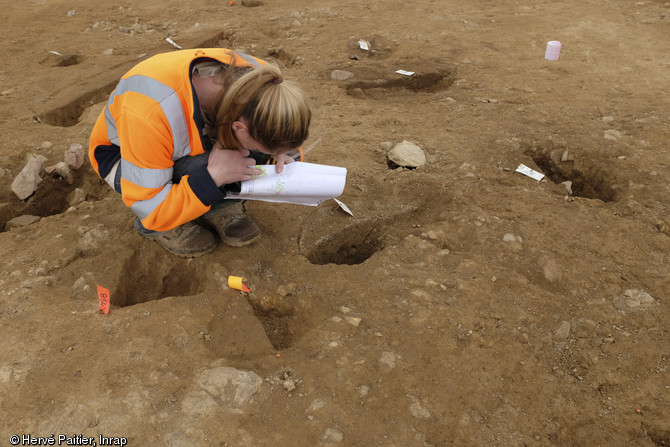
x: 153, y: 118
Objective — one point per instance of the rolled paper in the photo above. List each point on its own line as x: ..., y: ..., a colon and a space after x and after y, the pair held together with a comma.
x: 553, y: 50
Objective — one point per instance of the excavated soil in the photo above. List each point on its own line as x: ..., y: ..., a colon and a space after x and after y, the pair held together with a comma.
x: 463, y: 303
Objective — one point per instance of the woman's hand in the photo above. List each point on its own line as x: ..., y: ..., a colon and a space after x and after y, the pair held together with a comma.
x: 282, y: 159
x: 231, y: 165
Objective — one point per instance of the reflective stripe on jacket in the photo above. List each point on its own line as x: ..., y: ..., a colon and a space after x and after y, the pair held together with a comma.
x: 153, y: 118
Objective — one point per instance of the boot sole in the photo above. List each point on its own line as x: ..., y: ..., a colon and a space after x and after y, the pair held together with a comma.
x: 206, y: 224
x: 186, y: 254
x: 238, y: 244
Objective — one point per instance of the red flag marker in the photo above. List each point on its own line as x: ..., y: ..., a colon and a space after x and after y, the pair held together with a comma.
x: 235, y: 282
x: 103, y: 296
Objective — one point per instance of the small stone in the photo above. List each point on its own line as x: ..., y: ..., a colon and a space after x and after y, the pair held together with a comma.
x: 568, y: 186
x: 434, y: 235
x: 407, y: 155
x: 344, y: 309
x: 636, y: 298
x: 80, y: 283
x: 565, y: 155
x: 341, y: 75
x: 563, y: 332
x: 74, y: 156
x: 21, y: 221
x: 289, y: 385
x: 419, y: 411
x: 5, y: 374
x: 91, y: 240
x: 642, y: 296
x: 316, y: 404
x: 587, y: 325
x: 38, y: 282
x: 552, y: 270
x: 363, y: 390
x: 354, y: 321
x: 76, y: 197
x: 232, y: 387
x: 287, y: 289
x: 510, y: 238
x: 387, y: 360
x: 612, y: 134
x: 332, y: 435
x: 61, y: 169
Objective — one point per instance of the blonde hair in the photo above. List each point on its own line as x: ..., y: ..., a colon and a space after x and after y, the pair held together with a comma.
x: 275, y: 109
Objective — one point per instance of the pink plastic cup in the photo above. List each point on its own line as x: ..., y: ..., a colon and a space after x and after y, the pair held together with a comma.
x: 553, y: 50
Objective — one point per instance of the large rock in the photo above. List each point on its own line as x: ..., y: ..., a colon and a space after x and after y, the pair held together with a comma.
x: 407, y: 155
x: 25, y: 184
x: 341, y: 75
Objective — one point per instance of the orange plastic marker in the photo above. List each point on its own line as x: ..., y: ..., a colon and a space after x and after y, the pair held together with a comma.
x: 103, y: 296
x: 235, y: 282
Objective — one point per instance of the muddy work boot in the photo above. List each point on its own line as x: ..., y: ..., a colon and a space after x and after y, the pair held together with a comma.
x: 233, y: 226
x: 188, y: 240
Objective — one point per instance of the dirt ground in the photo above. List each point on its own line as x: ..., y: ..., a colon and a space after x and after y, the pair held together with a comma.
x: 463, y: 304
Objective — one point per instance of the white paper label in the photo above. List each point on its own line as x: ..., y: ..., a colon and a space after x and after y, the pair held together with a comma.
x: 525, y: 170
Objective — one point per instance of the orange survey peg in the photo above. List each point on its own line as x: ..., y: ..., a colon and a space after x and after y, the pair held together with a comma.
x: 235, y: 282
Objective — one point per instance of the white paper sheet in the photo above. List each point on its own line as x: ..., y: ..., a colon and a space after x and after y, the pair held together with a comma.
x: 301, y: 183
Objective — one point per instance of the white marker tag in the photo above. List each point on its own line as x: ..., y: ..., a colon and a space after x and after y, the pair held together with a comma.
x: 525, y: 170
x: 344, y: 207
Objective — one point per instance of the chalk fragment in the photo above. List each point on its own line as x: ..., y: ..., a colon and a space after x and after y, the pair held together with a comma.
x: 173, y: 43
